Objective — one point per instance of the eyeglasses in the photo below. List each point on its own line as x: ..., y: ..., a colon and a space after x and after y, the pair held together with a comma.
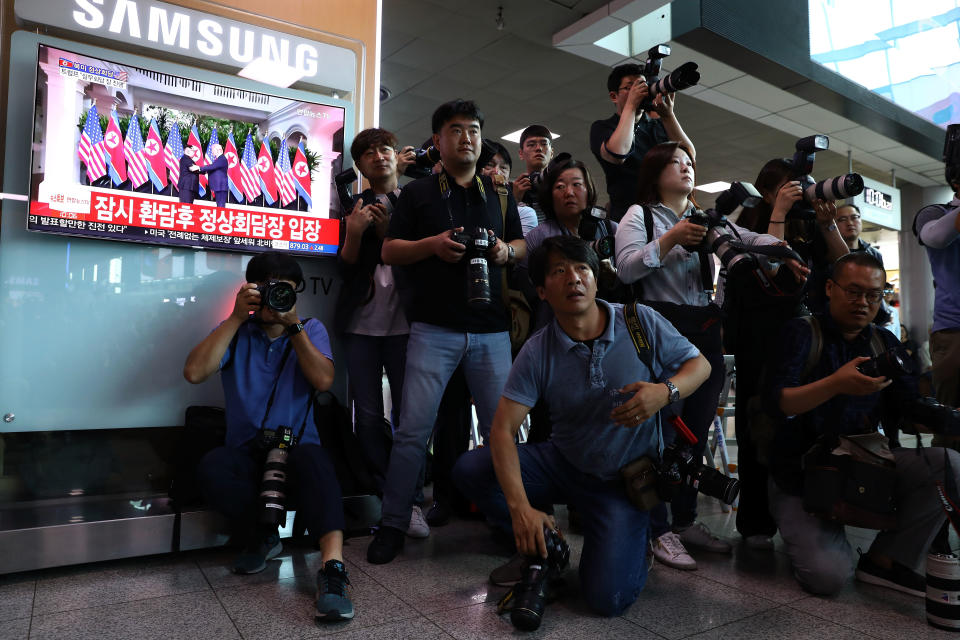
x: 873, y: 296
x: 852, y: 218
x: 626, y: 88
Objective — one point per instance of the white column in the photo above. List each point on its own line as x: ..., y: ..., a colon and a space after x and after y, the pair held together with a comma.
x: 63, y: 107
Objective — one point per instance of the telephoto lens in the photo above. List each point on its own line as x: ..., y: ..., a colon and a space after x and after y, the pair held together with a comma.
x: 532, y: 591
x: 273, y: 497
x: 838, y: 188
x: 478, y: 271
x: 683, y: 77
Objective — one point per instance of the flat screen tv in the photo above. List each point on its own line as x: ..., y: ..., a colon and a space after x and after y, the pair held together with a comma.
x: 132, y: 154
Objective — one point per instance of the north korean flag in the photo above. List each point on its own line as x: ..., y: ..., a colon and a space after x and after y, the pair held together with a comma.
x: 153, y: 151
x: 301, y: 174
x: 197, y: 155
x: 113, y: 141
x: 234, y: 174
x: 268, y: 182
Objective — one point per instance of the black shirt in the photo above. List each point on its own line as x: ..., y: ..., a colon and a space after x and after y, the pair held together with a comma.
x: 843, y: 414
x: 440, y: 288
x: 622, y: 178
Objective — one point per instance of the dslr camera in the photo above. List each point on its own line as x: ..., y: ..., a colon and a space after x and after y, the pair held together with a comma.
x: 273, y: 486
x: 893, y: 363
x: 277, y: 295
x: 527, y: 600
x: 737, y: 259
x: 477, y: 242
x: 427, y: 156
x: 683, y: 77
x: 343, y: 180
x: 679, y: 467
x: 836, y: 188
x: 937, y: 417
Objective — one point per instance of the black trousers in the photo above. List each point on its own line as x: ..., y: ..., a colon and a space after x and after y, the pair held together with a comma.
x: 230, y: 481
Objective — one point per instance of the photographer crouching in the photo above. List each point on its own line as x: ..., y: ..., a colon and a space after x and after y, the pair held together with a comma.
x: 832, y: 380
x: 603, y: 397
x: 271, y: 362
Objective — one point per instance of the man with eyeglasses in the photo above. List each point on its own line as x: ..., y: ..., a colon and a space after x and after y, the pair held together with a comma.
x: 850, y: 227
x: 620, y: 141
x: 835, y: 397
x: 536, y: 150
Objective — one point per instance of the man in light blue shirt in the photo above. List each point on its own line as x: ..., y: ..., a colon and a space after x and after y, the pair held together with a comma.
x: 603, y: 403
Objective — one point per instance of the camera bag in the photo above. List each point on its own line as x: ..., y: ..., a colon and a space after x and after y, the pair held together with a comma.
x: 521, y: 317
x: 851, y: 480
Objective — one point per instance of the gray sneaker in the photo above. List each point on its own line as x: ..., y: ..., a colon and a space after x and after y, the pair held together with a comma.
x: 698, y: 536
x: 511, y: 573
x: 254, y: 558
x: 668, y: 550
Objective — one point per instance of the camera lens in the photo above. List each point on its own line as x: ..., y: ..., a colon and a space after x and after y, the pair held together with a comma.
x: 273, y: 488
x: 280, y: 296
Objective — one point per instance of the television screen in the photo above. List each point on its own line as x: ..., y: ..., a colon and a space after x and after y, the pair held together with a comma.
x: 125, y: 153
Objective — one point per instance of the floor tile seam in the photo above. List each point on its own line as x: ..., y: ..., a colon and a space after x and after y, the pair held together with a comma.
x: 727, y: 586
x: 637, y: 624
x: 830, y: 620
x: 119, y: 602
x: 351, y: 627
x: 777, y: 605
x: 227, y: 612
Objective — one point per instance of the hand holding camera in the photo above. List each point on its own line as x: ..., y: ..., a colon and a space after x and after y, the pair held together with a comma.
x: 789, y: 193
x: 638, y: 94
x: 520, y: 186
x: 248, y: 301
x: 528, y: 526
x: 498, y: 251
x: 686, y: 233
x: 826, y: 212
x: 448, y: 246
x: 849, y: 380
x: 359, y: 219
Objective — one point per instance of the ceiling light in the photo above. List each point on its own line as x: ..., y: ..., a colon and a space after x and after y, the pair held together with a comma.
x: 713, y: 187
x: 271, y: 72
x: 515, y: 136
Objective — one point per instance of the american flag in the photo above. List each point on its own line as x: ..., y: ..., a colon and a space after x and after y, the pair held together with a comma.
x: 133, y: 152
x: 249, y: 182
x: 90, y: 149
x: 172, y: 152
x: 284, y: 175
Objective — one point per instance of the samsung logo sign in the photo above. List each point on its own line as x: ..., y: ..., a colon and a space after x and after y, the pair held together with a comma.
x: 162, y: 26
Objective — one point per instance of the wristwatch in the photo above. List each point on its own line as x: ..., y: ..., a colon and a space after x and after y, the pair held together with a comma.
x: 674, y: 392
x: 511, y: 253
x: 294, y: 329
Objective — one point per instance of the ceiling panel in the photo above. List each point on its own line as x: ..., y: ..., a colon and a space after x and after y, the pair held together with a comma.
x: 759, y: 93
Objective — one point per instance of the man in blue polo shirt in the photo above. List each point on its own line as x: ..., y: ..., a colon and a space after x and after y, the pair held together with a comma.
x: 603, y: 403
x: 271, y: 362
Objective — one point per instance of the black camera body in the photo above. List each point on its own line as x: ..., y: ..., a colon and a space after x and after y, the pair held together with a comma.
x: 277, y: 295
x: 836, y: 188
x: 939, y: 418
x: 530, y: 595
x: 894, y: 363
x: 679, y: 467
x: 273, y: 486
x: 683, y: 77
x: 477, y: 242
x: 591, y: 220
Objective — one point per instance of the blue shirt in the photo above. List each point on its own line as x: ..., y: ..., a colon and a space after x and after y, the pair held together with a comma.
x: 580, y: 386
x: 945, y: 265
x: 248, y: 370
x: 843, y: 414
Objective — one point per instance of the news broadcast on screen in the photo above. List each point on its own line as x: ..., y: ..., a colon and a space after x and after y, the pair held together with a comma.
x: 132, y: 154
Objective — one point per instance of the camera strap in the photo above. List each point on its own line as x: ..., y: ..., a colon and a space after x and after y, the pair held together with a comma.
x: 276, y: 381
x: 644, y: 351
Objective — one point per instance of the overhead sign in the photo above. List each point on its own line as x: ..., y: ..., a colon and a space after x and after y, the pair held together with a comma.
x: 166, y: 27
x: 879, y: 203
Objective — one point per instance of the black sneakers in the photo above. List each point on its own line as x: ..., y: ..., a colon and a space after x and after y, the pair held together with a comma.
x: 332, y: 601
x: 255, y: 556
x: 897, y: 577
x: 385, y: 545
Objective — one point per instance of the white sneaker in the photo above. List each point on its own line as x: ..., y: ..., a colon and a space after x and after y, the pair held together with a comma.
x: 698, y: 536
x: 759, y: 542
x: 670, y: 551
x: 418, y: 527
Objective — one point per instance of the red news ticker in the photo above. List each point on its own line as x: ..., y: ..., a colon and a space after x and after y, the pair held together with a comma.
x: 144, y: 210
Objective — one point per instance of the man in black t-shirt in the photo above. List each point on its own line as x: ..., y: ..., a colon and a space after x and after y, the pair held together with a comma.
x: 620, y: 142
x: 446, y: 330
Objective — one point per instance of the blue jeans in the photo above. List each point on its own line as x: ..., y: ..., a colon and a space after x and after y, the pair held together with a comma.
x: 698, y: 412
x: 433, y: 354
x: 613, y: 564
x: 367, y: 357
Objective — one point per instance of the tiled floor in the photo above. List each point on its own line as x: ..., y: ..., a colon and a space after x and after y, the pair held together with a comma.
x: 438, y: 589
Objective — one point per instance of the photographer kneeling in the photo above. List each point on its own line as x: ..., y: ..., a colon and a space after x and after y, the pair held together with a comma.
x: 271, y: 362
x: 603, y: 402
x: 829, y: 400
